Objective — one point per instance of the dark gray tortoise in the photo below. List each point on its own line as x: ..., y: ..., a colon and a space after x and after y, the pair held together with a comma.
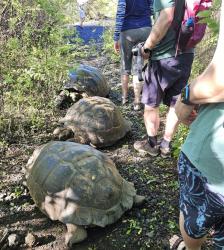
x: 83, y: 81
x: 93, y: 120
x: 79, y: 186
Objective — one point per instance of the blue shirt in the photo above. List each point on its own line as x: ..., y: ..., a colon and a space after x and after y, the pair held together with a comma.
x: 132, y: 14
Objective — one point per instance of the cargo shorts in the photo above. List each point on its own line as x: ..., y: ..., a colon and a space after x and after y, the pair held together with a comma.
x: 164, y: 79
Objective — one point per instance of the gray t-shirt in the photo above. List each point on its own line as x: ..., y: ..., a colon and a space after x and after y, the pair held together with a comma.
x: 167, y: 46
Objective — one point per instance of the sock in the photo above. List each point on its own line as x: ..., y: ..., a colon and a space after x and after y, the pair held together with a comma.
x: 152, y: 140
x: 165, y: 144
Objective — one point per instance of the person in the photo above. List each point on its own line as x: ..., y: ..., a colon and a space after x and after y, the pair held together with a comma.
x: 165, y: 77
x: 201, y: 161
x: 133, y: 24
x: 82, y: 14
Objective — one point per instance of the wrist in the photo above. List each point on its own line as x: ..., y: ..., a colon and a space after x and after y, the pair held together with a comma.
x: 147, y: 50
x: 185, y: 95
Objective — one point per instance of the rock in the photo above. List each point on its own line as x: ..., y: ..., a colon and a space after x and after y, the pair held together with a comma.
x: 13, y: 240
x: 31, y: 240
x: 2, y: 195
x: 3, y: 236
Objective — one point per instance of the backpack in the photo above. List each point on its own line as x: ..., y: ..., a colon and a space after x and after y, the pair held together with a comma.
x: 192, y: 30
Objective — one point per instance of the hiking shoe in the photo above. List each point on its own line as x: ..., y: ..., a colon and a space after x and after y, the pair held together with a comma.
x: 137, y: 106
x: 144, y: 147
x: 124, y: 100
x: 165, y: 152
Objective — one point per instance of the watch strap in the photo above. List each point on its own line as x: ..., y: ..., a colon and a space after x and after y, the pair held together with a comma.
x: 147, y: 50
x: 185, y: 95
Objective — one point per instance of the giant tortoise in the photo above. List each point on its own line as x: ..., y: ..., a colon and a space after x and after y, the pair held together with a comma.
x: 83, y: 81
x: 93, y: 120
x: 79, y: 186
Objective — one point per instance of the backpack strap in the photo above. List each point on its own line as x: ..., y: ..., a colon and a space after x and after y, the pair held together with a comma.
x: 177, y: 25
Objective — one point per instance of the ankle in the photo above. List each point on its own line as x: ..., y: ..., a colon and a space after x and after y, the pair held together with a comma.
x: 152, y: 140
x: 124, y: 100
x: 165, y: 143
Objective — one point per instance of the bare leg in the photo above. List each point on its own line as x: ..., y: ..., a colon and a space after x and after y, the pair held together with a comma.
x: 171, y: 124
x: 149, y: 145
x: 82, y: 21
x: 191, y: 244
x: 74, y: 234
x: 124, y: 82
x: 137, y: 89
x: 152, y: 120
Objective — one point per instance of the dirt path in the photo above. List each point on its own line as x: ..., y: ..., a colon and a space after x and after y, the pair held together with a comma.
x: 147, y: 227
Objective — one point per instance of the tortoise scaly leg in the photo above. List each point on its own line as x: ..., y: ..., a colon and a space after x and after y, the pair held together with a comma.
x: 74, y: 234
x: 138, y: 200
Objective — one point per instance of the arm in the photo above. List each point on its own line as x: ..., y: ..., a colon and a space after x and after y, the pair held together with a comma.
x: 209, y: 86
x: 119, y: 22
x: 160, y: 27
x: 185, y: 113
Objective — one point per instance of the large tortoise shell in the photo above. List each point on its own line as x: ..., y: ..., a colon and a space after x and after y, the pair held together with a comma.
x: 89, y: 80
x: 99, y: 119
x: 77, y: 184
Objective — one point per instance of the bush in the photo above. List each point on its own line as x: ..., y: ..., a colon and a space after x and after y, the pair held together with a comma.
x: 34, y: 62
x: 108, y: 45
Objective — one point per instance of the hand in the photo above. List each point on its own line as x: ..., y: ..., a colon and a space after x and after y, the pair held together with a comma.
x: 185, y: 113
x: 145, y: 56
x: 117, y: 46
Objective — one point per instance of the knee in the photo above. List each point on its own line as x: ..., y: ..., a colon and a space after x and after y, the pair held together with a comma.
x: 149, y: 109
x: 150, y: 112
x: 192, y: 231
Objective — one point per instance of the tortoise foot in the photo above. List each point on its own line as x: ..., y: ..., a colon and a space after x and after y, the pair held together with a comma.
x: 139, y: 200
x: 75, y: 234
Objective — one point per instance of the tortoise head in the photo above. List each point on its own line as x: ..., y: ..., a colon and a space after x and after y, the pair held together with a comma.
x: 32, y: 159
x: 63, y: 134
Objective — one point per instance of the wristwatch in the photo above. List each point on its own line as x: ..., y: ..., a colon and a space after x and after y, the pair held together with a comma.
x: 185, y: 95
x: 147, y: 50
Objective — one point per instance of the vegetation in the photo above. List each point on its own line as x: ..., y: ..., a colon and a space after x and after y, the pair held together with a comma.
x: 35, y: 59
x: 95, y: 10
x: 34, y: 62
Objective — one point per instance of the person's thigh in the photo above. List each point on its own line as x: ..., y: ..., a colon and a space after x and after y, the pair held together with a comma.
x: 140, y: 36
x: 183, y: 64
x: 128, y: 40
x: 202, y: 209
x: 152, y: 93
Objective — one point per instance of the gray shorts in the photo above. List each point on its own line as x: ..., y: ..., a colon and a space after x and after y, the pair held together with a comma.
x: 164, y: 79
x: 128, y: 39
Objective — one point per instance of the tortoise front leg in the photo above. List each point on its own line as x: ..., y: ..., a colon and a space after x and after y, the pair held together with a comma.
x: 139, y: 200
x: 74, y: 234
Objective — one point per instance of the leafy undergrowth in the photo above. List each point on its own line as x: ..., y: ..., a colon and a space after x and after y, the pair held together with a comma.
x: 147, y: 227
